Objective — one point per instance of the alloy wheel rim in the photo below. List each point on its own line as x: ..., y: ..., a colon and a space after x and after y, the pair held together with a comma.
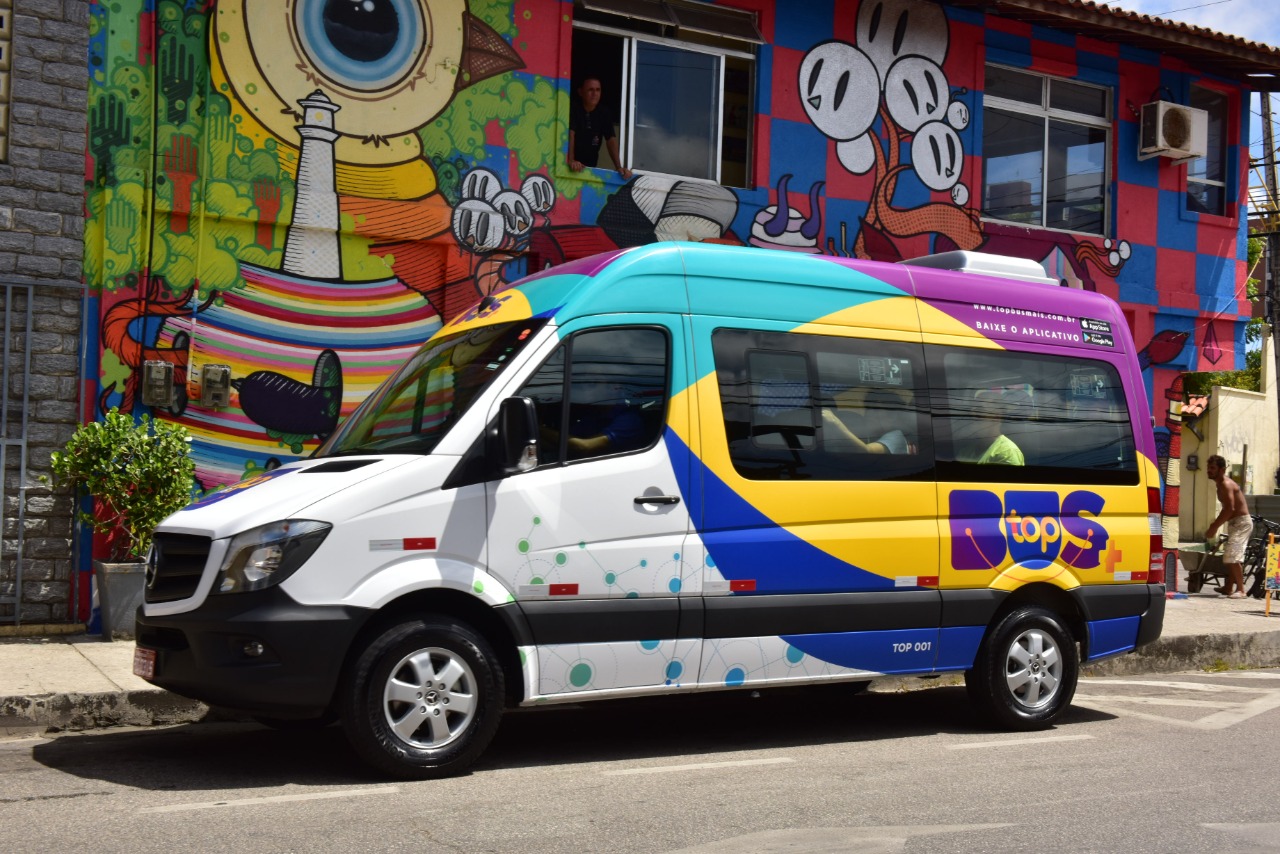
x: 1033, y: 669
x: 429, y: 699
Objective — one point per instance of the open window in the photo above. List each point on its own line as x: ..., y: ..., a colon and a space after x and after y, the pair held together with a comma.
x: 679, y: 76
x: 1207, y: 188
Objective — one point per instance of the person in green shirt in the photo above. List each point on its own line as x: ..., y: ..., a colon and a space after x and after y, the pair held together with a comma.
x: 1000, y: 449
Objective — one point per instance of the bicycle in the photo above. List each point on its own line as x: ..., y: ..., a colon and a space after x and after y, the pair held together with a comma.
x: 1255, y: 555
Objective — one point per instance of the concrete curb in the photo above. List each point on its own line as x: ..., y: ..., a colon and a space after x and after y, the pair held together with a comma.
x: 42, y: 630
x: 56, y: 712
x: 1248, y: 650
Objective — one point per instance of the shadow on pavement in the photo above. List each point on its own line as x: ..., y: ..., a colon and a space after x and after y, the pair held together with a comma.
x: 242, y: 755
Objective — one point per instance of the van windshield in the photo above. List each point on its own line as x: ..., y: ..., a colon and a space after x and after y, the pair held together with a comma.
x: 413, y: 409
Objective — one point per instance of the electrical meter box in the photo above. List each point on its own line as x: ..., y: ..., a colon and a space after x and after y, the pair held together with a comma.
x: 215, y: 385
x: 157, y: 383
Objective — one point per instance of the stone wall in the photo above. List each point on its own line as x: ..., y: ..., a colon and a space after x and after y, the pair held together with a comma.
x: 41, y: 263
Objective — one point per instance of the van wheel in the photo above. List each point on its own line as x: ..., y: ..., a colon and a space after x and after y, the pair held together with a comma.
x: 1026, y: 670
x: 423, y: 699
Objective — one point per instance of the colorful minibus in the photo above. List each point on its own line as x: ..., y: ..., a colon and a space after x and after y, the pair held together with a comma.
x: 687, y: 467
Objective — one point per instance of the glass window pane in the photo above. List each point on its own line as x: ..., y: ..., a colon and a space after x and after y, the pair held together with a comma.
x: 1014, y: 85
x: 1089, y: 100
x: 781, y: 406
x: 617, y: 391
x: 1206, y: 198
x: 1013, y: 150
x: 429, y: 393
x: 735, y: 140
x: 861, y: 417
x: 546, y: 389
x: 677, y: 102
x: 1076, y: 195
x: 1213, y: 165
x: 1031, y: 419
x: 1210, y: 198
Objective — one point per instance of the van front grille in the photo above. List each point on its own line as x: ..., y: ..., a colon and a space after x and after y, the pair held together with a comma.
x: 177, y: 562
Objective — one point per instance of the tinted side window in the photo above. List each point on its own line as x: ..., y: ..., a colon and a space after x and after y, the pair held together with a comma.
x: 816, y: 407
x: 1025, y: 418
x: 616, y: 399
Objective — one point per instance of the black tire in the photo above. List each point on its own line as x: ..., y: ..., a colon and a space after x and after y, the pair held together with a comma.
x: 1026, y: 670
x: 436, y: 669
x: 1194, y: 582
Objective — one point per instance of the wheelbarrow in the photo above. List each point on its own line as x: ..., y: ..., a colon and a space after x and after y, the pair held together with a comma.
x: 1203, y: 563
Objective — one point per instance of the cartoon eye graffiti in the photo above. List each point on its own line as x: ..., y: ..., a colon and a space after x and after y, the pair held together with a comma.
x: 365, y: 45
x: 478, y: 226
x: 391, y: 66
x: 890, y: 29
x: 839, y: 89
x: 937, y: 156
x: 960, y: 195
x: 958, y: 115
x: 481, y: 184
x: 916, y: 92
x: 517, y: 216
x: 538, y: 191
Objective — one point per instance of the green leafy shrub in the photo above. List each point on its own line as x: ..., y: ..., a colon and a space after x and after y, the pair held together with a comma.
x: 137, y: 473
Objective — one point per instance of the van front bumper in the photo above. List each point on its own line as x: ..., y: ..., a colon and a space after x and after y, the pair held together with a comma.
x: 259, y: 653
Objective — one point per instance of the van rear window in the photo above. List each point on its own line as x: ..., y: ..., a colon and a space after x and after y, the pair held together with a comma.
x: 1021, y: 417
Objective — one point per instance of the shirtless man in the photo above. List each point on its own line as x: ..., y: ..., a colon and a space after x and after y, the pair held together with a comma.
x: 1235, y: 513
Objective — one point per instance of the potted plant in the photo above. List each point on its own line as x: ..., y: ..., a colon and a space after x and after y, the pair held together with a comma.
x: 137, y: 473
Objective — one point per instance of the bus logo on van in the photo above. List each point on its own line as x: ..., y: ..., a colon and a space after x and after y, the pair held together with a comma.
x: 1031, y: 528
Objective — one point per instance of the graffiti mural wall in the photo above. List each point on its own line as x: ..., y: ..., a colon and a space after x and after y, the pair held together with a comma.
x: 303, y: 190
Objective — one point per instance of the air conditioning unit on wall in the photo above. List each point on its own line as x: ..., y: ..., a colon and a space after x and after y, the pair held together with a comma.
x: 1172, y: 130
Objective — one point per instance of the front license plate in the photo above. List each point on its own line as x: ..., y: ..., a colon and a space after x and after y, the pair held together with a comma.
x: 144, y: 663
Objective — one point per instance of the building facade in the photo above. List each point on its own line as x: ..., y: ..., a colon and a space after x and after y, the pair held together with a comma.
x: 284, y: 197
x: 43, y: 91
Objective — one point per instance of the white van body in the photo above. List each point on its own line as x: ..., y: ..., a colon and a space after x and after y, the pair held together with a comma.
x: 686, y: 467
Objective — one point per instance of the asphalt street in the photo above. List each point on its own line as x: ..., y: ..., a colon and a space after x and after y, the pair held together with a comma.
x: 1157, y: 763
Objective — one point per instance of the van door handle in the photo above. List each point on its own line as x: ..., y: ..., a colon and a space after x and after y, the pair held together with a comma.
x: 658, y: 499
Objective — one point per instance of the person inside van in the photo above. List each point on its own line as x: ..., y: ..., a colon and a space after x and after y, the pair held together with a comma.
x: 998, y: 448
x: 611, y: 431
x: 883, y: 416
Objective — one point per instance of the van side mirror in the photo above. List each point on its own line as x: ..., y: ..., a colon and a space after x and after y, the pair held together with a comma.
x: 518, y: 435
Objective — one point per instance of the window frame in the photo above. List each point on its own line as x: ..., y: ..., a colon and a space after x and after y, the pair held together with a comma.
x: 566, y: 345
x: 1229, y: 196
x: 1046, y: 112
x: 626, y: 117
x: 1022, y: 364
x: 823, y: 460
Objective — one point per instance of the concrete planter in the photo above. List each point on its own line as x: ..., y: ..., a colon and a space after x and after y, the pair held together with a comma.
x: 120, y: 588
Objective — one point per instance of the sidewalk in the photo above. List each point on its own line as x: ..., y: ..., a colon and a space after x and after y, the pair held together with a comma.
x: 80, y: 682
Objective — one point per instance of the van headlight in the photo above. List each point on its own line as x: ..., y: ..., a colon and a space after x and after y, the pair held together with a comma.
x: 261, y: 557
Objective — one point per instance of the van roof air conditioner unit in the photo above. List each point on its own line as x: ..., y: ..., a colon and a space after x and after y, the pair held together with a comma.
x: 1172, y: 130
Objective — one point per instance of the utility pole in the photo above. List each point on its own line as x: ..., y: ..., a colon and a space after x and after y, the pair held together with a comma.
x: 1271, y: 299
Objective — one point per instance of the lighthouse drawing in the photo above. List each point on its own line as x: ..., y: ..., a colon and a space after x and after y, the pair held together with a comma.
x: 311, y: 248
x: 304, y: 345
